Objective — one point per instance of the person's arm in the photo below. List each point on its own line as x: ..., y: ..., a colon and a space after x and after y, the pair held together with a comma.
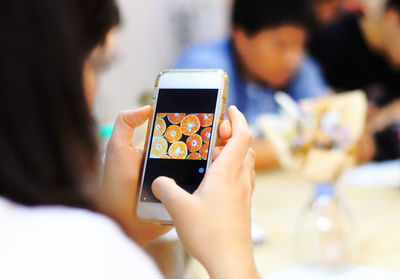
x: 266, y: 157
x: 385, y: 116
x: 214, y: 224
x: 366, y: 148
x: 378, y: 119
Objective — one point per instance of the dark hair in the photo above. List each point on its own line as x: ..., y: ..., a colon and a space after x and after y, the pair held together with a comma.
x: 48, y: 149
x: 255, y: 15
x: 394, y: 4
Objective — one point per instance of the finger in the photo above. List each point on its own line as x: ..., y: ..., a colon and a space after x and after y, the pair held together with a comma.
x: 224, y: 133
x: 250, y: 159
x: 238, y: 145
x: 216, y: 151
x: 125, y: 125
x: 225, y: 130
x: 140, y: 150
x: 253, y: 180
x: 248, y: 167
x: 173, y: 197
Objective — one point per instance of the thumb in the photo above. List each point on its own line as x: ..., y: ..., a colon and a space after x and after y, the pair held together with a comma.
x: 172, y: 196
x: 125, y: 126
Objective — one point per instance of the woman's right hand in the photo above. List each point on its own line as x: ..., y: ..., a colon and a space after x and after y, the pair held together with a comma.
x: 214, y: 223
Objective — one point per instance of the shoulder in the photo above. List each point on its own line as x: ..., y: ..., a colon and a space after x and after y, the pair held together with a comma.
x: 61, y: 242
x: 206, y: 55
x: 309, y: 81
x: 310, y: 65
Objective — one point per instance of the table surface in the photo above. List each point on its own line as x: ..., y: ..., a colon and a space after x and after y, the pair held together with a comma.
x: 279, y: 196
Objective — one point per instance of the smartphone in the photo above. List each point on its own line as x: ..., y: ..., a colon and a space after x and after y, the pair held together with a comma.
x: 188, y: 106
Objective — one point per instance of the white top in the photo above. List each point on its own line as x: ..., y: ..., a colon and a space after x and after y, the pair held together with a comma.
x: 62, y: 242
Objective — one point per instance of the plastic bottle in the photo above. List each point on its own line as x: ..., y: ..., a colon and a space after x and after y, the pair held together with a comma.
x: 323, y: 232
x: 105, y: 134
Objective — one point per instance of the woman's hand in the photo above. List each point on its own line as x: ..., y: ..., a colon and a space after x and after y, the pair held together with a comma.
x: 214, y: 223
x: 121, y: 178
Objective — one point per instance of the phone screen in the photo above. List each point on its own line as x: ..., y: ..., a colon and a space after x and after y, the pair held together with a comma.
x: 180, y: 138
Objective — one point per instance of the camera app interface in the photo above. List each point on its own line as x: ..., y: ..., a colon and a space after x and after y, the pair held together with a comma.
x: 180, y: 138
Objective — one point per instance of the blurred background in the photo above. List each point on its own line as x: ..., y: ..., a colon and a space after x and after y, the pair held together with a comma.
x: 346, y: 227
x: 153, y: 33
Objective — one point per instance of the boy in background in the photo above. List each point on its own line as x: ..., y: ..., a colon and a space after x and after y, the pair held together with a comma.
x: 265, y: 53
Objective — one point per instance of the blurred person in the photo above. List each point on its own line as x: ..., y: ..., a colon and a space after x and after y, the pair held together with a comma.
x: 363, y: 51
x: 327, y: 11
x: 353, y: 6
x: 55, y: 223
x: 264, y: 54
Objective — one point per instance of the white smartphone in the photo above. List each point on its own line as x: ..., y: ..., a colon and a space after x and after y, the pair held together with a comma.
x: 188, y: 107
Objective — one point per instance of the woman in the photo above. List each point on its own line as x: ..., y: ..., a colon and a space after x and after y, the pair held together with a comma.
x: 54, y: 222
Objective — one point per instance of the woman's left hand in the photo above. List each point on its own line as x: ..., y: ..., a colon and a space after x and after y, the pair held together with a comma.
x: 121, y: 178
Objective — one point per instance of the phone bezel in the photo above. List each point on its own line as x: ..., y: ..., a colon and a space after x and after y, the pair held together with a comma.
x: 181, y: 79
